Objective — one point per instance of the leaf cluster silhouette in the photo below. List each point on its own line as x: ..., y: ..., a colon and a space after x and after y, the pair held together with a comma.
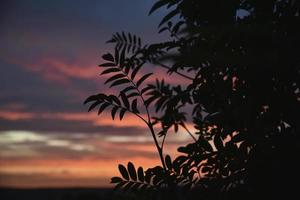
x: 241, y: 61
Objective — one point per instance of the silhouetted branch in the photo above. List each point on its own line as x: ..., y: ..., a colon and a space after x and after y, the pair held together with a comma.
x: 179, y: 73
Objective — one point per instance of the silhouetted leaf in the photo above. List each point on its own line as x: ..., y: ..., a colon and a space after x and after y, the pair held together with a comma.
x: 110, y: 70
x: 147, y: 88
x: 168, y: 17
x: 141, y: 174
x: 115, y: 99
x: 177, y: 26
x: 107, y: 65
x: 116, y: 179
x: 122, y: 58
x: 114, y: 111
x: 108, y: 57
x: 119, y: 185
x: 94, y: 105
x: 123, y: 172
x: 134, y: 106
x: 117, y: 56
x: 141, y: 80
x: 124, y: 36
x: 183, y: 150
x: 122, y: 113
x: 150, y: 100
x: 131, y: 170
x: 102, y: 107
x: 218, y: 142
x: 128, y: 89
x: 163, y: 29
x: 114, y: 77
x: 119, y: 82
x: 94, y: 98
x: 135, y: 71
x: 158, y: 5
x: 134, y: 94
x: 205, y: 144
x: 139, y: 42
x: 168, y: 162
x: 128, y: 186
x: 124, y: 99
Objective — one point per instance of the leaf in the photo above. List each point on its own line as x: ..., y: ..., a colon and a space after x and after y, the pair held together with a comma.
x: 218, y: 142
x: 115, y: 99
x: 124, y: 99
x: 160, y: 102
x: 122, y: 113
x: 124, y: 36
x: 119, y: 185
x: 135, y: 71
x: 114, y: 77
x: 102, y: 107
x: 113, y: 40
x: 141, y: 174
x: 205, y: 144
x: 150, y: 100
x: 123, y: 172
x: 131, y: 170
x: 117, y: 56
x: 139, y: 42
x: 94, y: 105
x: 94, y: 98
x: 114, y: 111
x: 110, y: 70
x: 168, y: 17
x: 168, y: 162
x: 177, y: 26
x: 130, y: 38
x: 175, y: 127
x: 122, y: 58
x: 183, y: 150
x: 134, y: 94
x: 108, y: 57
x: 128, y: 186
x: 128, y: 89
x: 163, y: 29
x: 107, y: 65
x: 119, y: 82
x: 158, y: 5
x: 116, y: 180
x: 145, y: 89
x: 141, y: 80
x: 134, y: 106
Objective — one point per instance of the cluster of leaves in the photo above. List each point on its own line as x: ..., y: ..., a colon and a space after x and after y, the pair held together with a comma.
x: 244, y: 90
x: 123, y: 72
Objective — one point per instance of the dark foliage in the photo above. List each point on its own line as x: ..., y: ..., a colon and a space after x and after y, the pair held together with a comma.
x: 242, y: 60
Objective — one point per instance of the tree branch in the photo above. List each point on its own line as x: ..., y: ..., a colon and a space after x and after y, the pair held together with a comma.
x: 179, y: 73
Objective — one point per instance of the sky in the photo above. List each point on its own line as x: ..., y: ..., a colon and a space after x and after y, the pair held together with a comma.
x: 49, y: 52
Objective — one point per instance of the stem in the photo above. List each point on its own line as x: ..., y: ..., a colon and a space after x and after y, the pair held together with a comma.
x: 163, y: 142
x: 179, y: 73
x: 149, y: 124
x: 187, y: 130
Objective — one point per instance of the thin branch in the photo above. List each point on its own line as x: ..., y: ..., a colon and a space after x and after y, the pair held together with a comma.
x: 163, y: 141
x: 149, y: 124
x: 179, y: 73
x: 189, y: 132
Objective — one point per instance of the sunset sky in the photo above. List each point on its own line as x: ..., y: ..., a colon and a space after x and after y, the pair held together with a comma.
x: 49, y: 52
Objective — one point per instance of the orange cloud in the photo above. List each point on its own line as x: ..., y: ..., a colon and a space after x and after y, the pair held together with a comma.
x: 16, y: 115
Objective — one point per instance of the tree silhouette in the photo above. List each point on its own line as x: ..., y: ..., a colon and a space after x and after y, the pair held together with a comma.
x: 241, y: 58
